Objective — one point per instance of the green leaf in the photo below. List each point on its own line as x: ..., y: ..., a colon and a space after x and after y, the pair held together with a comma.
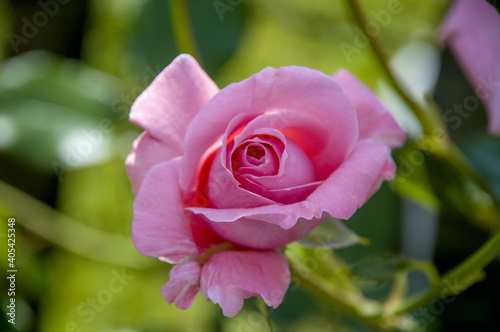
x: 333, y: 234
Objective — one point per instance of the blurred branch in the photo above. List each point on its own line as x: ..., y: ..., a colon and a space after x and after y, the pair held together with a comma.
x: 183, y: 33
x: 466, y: 271
x: 460, y: 277
x: 470, y: 270
x: 429, y: 118
x: 429, y: 115
x: 348, y: 301
x: 67, y: 233
x: 264, y: 312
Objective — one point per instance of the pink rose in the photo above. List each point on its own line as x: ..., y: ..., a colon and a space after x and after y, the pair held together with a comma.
x: 224, y: 178
x: 472, y: 29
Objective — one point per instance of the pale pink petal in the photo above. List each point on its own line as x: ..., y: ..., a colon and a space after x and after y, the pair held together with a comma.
x: 375, y: 121
x: 388, y: 173
x: 183, y: 285
x: 471, y: 31
x: 160, y: 227
x: 229, y: 277
x: 292, y: 88
x: 340, y: 195
x: 169, y: 104
x: 146, y: 152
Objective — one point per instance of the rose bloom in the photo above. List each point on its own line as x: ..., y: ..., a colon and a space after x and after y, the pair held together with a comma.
x: 225, y: 178
x: 472, y: 31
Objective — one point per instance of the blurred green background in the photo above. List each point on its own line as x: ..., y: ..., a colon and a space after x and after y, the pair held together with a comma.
x: 70, y: 71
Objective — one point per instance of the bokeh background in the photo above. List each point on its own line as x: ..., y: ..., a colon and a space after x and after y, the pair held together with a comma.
x: 71, y: 69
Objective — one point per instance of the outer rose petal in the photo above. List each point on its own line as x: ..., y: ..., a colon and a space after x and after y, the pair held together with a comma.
x: 229, y: 277
x: 375, y: 121
x: 160, y: 227
x: 471, y: 30
x: 169, y: 104
x: 293, y: 88
x: 182, y: 287
x: 146, y: 152
x: 347, y: 189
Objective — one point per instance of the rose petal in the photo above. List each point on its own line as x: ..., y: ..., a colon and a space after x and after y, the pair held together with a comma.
x: 375, y: 121
x: 272, y: 147
x: 340, y: 195
x: 224, y: 191
x: 293, y: 88
x: 495, y: 114
x: 182, y: 287
x: 160, y: 227
x: 297, y: 170
x: 229, y: 277
x: 169, y: 104
x: 262, y: 232
x: 146, y: 152
x: 233, y: 188
x: 471, y: 30
x: 312, y: 134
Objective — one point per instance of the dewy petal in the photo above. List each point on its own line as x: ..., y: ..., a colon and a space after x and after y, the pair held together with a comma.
x: 146, y: 152
x: 183, y: 285
x: 229, y: 277
x: 160, y: 227
x: 471, y: 31
x: 294, y: 88
x: 376, y: 123
x: 169, y: 104
x: 340, y: 195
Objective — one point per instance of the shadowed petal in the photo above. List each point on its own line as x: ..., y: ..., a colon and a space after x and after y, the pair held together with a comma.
x: 471, y: 31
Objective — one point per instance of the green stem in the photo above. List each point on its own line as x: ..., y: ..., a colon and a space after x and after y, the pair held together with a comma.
x: 183, y: 34
x: 468, y: 271
x: 429, y: 116
x: 349, y: 302
x: 67, y: 233
x: 474, y: 263
x: 429, y: 120
x: 458, y: 278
